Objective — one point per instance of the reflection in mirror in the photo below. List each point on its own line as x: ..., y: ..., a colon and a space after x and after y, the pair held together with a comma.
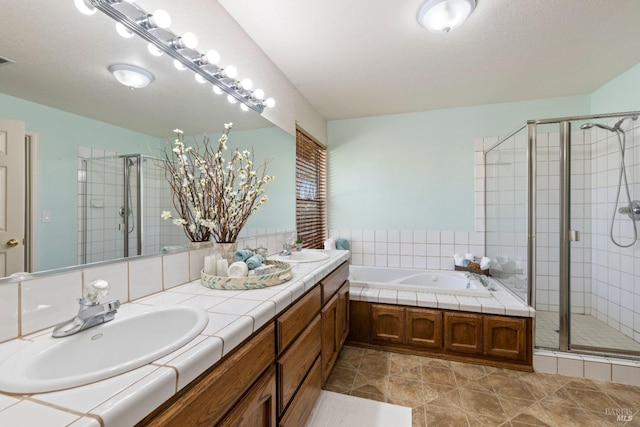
x: 92, y: 133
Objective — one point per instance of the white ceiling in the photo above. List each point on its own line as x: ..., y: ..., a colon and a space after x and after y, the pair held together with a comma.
x: 354, y: 58
x: 349, y: 58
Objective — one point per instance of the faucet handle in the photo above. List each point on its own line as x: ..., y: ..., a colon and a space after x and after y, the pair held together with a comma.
x: 95, y: 291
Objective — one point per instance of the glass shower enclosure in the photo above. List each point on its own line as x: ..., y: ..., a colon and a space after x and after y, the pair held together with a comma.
x: 120, y: 199
x: 562, y: 220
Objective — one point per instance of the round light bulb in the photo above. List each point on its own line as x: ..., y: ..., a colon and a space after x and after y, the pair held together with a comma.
x: 243, y: 107
x: 270, y: 102
x: 231, y: 71
x: 190, y: 40
x: 246, y: 84
x: 217, y: 90
x: 178, y: 65
x: 212, y: 56
x: 200, y: 79
x: 85, y: 7
x: 231, y: 99
x: 258, y: 94
x: 153, y: 50
x: 123, y: 31
x: 161, y: 18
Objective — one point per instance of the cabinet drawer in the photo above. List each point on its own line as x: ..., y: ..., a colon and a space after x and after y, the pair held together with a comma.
x: 212, y: 395
x: 258, y: 407
x: 333, y: 281
x: 294, y: 364
x: 293, y: 321
x: 302, y: 405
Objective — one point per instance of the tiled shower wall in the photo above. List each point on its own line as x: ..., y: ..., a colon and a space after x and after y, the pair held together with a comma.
x: 615, y: 271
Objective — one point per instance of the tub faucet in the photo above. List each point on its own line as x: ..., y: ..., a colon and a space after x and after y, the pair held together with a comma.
x: 91, y: 312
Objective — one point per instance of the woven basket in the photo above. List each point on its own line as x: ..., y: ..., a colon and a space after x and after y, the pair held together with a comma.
x: 473, y: 270
x: 281, y: 275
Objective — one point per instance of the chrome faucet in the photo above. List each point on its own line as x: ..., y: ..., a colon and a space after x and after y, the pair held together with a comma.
x: 91, y: 312
x: 286, y: 249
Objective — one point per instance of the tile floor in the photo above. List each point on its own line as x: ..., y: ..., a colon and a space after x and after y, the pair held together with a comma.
x: 585, y: 330
x: 444, y: 393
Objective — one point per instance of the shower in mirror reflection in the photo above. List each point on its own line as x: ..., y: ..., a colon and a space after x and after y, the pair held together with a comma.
x: 632, y: 208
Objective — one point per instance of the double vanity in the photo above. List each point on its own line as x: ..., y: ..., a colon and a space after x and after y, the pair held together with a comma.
x: 261, y: 358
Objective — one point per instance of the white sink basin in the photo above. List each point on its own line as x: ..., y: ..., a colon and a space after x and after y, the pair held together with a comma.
x: 303, y: 256
x: 101, y: 352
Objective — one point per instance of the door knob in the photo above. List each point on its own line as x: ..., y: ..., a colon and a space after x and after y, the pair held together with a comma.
x: 12, y: 242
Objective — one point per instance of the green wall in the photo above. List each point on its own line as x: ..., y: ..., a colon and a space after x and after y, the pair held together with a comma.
x: 59, y: 135
x: 620, y: 94
x: 415, y: 171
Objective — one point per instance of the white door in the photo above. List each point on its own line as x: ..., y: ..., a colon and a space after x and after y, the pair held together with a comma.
x: 12, y: 193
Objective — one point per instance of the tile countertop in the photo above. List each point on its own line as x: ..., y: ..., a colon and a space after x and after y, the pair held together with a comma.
x: 127, y: 398
x: 501, y: 301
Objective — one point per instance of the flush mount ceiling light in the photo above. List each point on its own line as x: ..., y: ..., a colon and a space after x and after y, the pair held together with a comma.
x: 131, y: 76
x: 442, y: 16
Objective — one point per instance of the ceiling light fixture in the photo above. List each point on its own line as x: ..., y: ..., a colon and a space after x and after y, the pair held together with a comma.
x: 131, y: 76
x: 442, y: 16
x: 154, y: 29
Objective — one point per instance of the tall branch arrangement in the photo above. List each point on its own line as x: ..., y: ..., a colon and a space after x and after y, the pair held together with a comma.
x: 213, y: 194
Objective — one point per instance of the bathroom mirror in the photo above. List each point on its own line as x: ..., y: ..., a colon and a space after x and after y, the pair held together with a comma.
x: 59, y: 85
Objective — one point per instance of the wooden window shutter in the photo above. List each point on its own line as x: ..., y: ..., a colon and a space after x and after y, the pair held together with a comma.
x: 311, y: 192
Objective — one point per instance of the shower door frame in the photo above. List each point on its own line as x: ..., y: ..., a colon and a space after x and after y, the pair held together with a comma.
x: 564, y: 123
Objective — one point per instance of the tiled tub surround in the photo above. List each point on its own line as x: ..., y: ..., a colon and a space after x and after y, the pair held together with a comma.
x: 168, y: 280
x: 500, y: 301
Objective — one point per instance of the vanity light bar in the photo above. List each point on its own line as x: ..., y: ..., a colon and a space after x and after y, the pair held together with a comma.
x: 140, y: 22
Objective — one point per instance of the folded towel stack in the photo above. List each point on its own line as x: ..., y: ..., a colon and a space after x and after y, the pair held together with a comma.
x: 243, y: 254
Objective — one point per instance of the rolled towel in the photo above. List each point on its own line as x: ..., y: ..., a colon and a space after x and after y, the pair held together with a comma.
x: 342, y: 244
x: 484, y: 263
x: 238, y: 269
x: 470, y: 257
x: 330, y: 244
x: 254, y: 262
x: 243, y: 254
x: 466, y: 262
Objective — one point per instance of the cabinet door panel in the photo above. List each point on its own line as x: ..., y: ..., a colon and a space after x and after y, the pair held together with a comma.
x: 330, y: 342
x: 258, y: 407
x: 463, y: 332
x: 505, y: 337
x: 387, y: 323
x: 424, y: 328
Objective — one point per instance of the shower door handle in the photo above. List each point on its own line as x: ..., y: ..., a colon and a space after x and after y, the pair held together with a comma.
x: 574, y: 236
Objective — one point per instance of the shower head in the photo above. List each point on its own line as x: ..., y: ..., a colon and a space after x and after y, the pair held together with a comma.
x: 615, y: 127
x: 590, y: 125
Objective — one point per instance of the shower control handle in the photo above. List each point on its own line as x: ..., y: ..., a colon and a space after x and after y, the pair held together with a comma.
x: 633, y: 210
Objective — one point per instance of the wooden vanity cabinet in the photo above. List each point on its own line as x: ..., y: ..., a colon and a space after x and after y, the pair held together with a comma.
x: 212, y: 395
x: 419, y: 327
x: 275, y: 377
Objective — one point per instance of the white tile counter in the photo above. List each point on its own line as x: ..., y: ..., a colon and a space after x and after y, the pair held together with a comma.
x: 127, y: 398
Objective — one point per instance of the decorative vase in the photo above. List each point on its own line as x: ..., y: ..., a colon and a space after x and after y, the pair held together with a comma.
x: 225, y: 250
x: 200, y: 245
